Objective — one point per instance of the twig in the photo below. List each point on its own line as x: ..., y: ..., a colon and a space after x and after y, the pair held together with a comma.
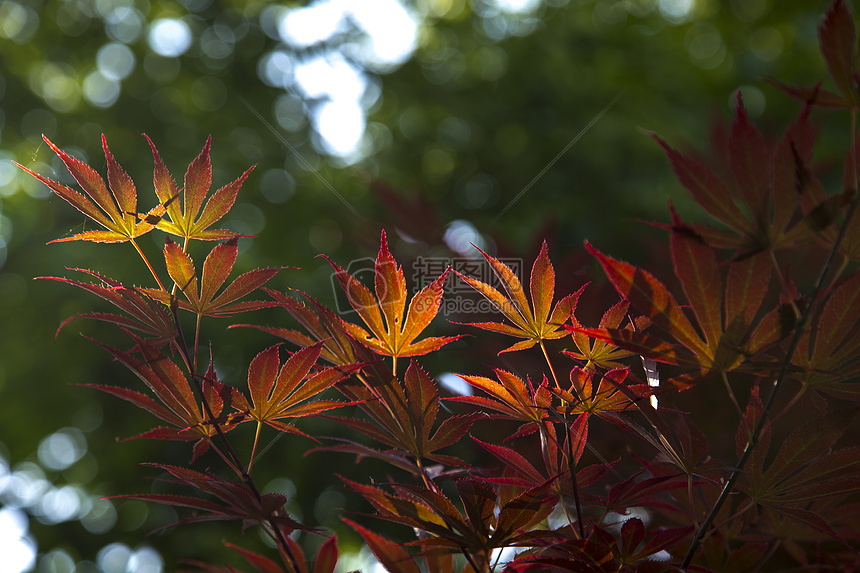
x: 795, y: 340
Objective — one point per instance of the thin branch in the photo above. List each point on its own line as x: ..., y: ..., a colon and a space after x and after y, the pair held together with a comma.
x: 572, y: 469
x: 783, y: 371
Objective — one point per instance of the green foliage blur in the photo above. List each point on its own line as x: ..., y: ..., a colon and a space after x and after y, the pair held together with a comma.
x: 484, y: 132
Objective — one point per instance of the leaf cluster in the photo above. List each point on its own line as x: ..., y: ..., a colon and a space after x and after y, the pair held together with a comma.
x: 539, y: 488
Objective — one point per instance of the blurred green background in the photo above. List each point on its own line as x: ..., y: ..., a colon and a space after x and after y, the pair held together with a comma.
x: 446, y: 122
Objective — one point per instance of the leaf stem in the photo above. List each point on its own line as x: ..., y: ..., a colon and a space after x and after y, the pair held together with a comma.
x: 783, y: 282
x: 254, y: 448
x: 428, y: 483
x: 573, y: 481
x: 725, y: 378
x: 548, y: 363
x: 470, y: 560
x: 838, y: 273
x: 197, y: 340
x: 246, y: 478
x: 378, y: 396
x: 783, y: 371
x: 148, y: 265
x: 693, y: 511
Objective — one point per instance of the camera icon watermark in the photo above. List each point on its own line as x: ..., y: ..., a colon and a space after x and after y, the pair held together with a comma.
x: 459, y: 298
x: 361, y: 271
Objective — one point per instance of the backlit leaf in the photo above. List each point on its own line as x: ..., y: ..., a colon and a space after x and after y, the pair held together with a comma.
x: 115, y: 210
x: 187, y: 220
x: 216, y: 268
x: 389, y: 335
x: 533, y: 323
x: 278, y: 392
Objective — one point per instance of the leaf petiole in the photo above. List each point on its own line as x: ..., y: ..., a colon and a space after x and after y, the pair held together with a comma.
x: 148, y: 265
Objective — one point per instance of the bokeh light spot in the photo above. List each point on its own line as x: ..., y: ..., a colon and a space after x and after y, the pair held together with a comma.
x: 276, y: 69
x: 60, y: 504
x: 114, y: 558
x: 391, y: 32
x: 455, y: 384
x: 217, y: 41
x: 277, y: 185
x: 341, y: 122
x: 56, y: 561
x: 116, y: 61
x: 333, y: 77
x: 289, y: 112
x: 462, y: 237
x: 62, y: 448
x: 307, y: 26
x: 100, y: 90
x: 169, y: 37
x: 676, y: 11
x: 101, y: 517
x: 517, y: 6
x: 145, y: 560
x: 705, y: 45
x: 124, y: 24
x: 18, y: 551
x: 17, y: 22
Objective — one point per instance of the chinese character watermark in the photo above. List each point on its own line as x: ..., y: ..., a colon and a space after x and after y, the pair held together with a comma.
x: 458, y: 297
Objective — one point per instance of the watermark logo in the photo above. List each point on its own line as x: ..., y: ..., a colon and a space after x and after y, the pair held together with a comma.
x: 458, y: 297
x: 361, y: 271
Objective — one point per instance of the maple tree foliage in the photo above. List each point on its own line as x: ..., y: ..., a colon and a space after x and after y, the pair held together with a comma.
x: 749, y: 316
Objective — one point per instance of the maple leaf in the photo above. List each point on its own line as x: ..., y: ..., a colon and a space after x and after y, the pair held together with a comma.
x: 728, y: 334
x: 402, y: 417
x: 805, y: 470
x: 240, y: 502
x: 324, y: 562
x: 511, y: 398
x: 479, y: 529
x: 522, y: 474
x: 216, y: 269
x: 633, y: 544
x: 532, y: 322
x: 603, y: 399
x: 279, y: 392
x: 836, y: 40
x: 187, y: 220
x: 484, y: 524
x: 761, y: 198
x: 144, y: 316
x: 829, y: 353
x: 600, y: 353
x: 389, y: 334
x: 175, y: 402
x: 115, y: 210
x: 393, y: 556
